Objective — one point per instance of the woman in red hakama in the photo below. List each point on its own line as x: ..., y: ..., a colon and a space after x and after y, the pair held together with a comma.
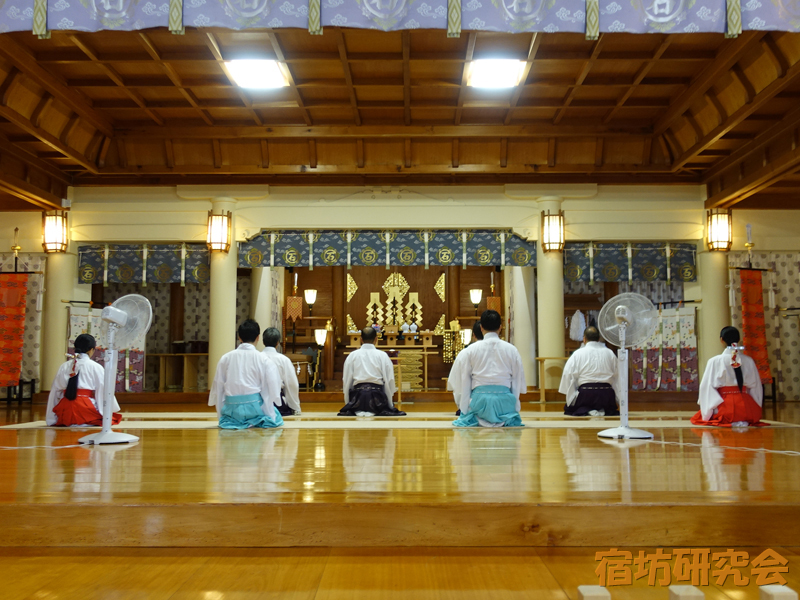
x: 76, y: 397
x: 730, y: 392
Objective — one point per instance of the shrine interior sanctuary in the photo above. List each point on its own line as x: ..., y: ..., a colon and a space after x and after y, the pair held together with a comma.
x: 329, y: 166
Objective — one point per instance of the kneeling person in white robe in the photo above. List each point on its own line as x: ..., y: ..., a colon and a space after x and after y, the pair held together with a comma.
x: 590, y: 379
x: 454, y: 380
x: 246, y: 385
x: 493, y: 374
x: 368, y: 381
x: 78, y: 390
x: 289, y: 403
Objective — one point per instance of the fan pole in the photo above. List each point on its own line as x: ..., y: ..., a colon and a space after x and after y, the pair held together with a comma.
x: 106, y: 436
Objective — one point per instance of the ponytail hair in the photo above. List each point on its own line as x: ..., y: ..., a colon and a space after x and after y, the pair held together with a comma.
x: 84, y: 343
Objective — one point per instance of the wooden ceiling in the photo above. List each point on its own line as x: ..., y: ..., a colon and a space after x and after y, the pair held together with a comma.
x: 368, y: 107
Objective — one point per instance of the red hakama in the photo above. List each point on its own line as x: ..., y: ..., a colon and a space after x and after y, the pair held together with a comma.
x: 737, y: 406
x: 81, y: 411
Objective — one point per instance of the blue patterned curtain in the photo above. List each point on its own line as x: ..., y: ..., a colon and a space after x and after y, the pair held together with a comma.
x: 125, y: 263
x: 404, y: 248
x: 648, y: 262
x: 663, y: 16
x: 577, y: 264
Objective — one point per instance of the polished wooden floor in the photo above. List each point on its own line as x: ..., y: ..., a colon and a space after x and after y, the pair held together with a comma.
x: 383, y: 513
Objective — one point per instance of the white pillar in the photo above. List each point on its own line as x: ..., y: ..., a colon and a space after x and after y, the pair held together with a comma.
x: 60, y: 279
x: 522, y: 283
x: 714, y: 312
x: 222, y: 296
x: 261, y: 281
x: 550, y: 298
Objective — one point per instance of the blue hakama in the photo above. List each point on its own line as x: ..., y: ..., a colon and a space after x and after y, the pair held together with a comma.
x: 245, y: 412
x: 494, y: 404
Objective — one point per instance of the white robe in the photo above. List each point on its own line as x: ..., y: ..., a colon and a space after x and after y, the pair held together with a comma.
x: 242, y: 372
x: 594, y: 363
x: 719, y: 373
x: 454, y: 380
x: 369, y: 365
x: 289, y: 383
x: 492, y: 362
x: 90, y: 377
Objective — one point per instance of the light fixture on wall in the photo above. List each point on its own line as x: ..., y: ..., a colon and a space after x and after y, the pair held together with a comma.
x: 552, y: 238
x: 320, y: 336
x: 475, y: 297
x: 256, y: 74
x: 311, y: 298
x: 54, y: 231
x: 495, y: 73
x: 720, y: 229
x: 219, y: 231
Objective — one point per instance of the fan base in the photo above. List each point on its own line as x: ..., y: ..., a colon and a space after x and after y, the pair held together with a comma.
x: 626, y: 433
x: 108, y: 437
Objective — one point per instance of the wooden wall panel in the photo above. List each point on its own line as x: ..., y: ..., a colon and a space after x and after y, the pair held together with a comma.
x: 577, y: 151
x: 383, y: 152
x: 432, y: 152
x: 626, y: 151
x: 336, y: 152
x: 240, y: 152
x: 527, y: 152
x: 475, y: 278
x: 320, y: 279
x: 477, y: 152
x: 82, y: 136
x: 147, y: 153
x: 292, y: 153
x: 190, y: 153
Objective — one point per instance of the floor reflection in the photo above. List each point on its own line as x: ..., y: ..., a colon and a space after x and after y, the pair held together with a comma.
x: 729, y: 469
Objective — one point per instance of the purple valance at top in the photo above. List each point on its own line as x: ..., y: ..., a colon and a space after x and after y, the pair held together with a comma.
x: 585, y: 16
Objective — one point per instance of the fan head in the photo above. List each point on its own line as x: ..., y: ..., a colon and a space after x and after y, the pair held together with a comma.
x: 636, y: 311
x: 139, y: 317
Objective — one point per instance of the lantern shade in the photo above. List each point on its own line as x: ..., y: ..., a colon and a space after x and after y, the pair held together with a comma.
x: 320, y: 335
x: 54, y: 231
x: 311, y: 296
x: 720, y: 230
x: 219, y: 232
x: 475, y: 296
x: 552, y: 234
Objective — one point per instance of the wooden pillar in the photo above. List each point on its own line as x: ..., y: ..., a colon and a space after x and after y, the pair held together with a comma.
x: 338, y: 302
x: 98, y: 295
x: 177, y: 294
x: 453, y: 287
x: 610, y: 289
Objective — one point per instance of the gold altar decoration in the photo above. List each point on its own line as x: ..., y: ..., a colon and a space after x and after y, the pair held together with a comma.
x: 414, y: 310
x: 410, y: 364
x: 439, y: 329
x: 451, y: 341
x: 396, y: 287
x: 439, y: 287
x: 352, y: 288
x: 351, y: 325
x: 375, y: 314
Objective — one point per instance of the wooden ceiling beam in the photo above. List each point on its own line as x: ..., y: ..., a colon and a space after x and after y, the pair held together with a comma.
x: 533, y: 48
x: 281, y: 56
x: 115, y: 77
x: 763, y: 139
x: 587, y: 67
x: 727, y: 56
x: 213, y: 46
x: 462, y: 92
x: 30, y: 193
x: 531, y: 130
x: 404, y: 164
x: 46, y: 137
x: 406, y: 77
x: 759, y: 100
x: 26, y: 63
x: 639, y: 77
x: 772, y: 172
x: 33, y: 160
x: 151, y: 49
x: 348, y: 76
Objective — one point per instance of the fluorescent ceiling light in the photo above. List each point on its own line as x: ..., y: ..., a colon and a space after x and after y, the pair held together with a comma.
x: 495, y: 73
x: 256, y: 74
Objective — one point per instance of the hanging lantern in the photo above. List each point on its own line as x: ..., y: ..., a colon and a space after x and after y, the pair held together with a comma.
x: 219, y: 232
x: 552, y: 238
x: 54, y: 231
x: 720, y: 229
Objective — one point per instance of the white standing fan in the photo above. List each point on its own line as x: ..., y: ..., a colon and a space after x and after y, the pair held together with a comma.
x: 125, y: 321
x: 626, y: 320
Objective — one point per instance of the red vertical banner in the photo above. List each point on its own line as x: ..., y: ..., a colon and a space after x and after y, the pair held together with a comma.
x: 755, y: 335
x: 13, y: 292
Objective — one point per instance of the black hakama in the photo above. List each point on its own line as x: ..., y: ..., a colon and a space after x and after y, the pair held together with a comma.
x: 369, y: 398
x: 593, y: 396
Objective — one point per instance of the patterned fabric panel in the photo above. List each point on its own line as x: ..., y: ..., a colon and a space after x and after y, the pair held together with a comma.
x: 663, y: 16
x: 126, y: 263
x: 94, y: 15
x: 404, y: 248
x: 611, y: 262
x: 577, y: 264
